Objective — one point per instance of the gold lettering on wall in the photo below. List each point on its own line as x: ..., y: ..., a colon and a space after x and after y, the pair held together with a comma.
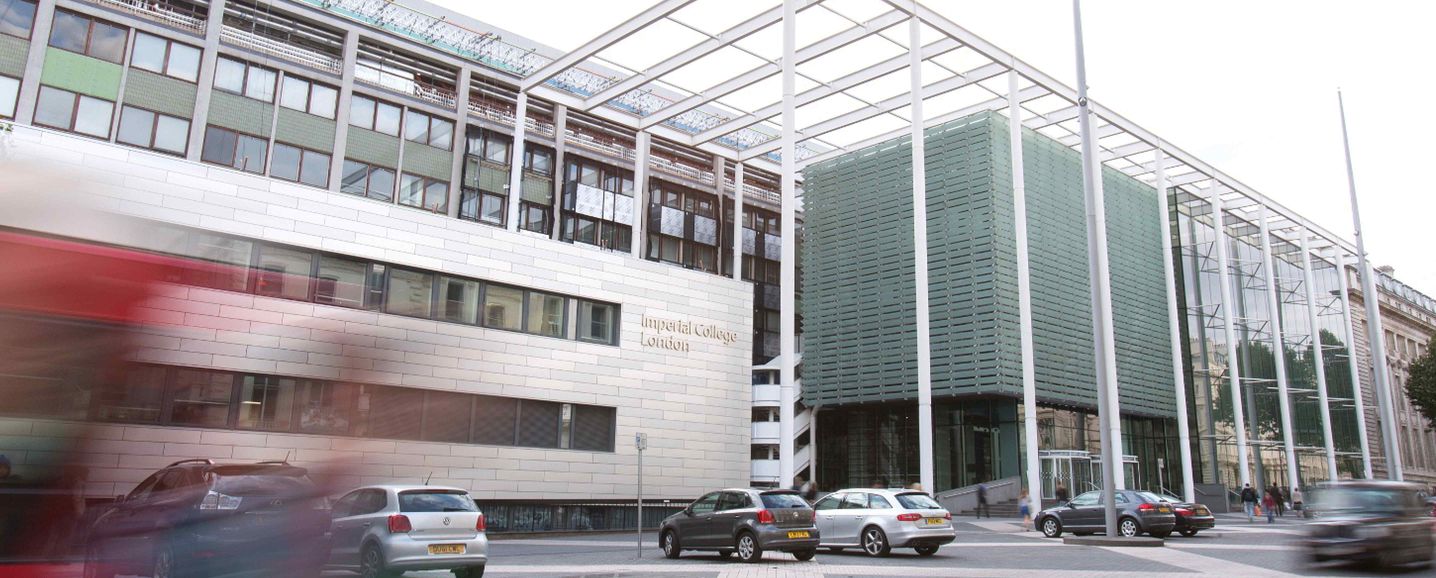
x: 674, y: 334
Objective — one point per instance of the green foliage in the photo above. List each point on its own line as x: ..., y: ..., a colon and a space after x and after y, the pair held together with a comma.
x: 1421, y: 386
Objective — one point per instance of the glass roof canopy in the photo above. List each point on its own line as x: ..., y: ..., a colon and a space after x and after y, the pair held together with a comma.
x: 705, y: 73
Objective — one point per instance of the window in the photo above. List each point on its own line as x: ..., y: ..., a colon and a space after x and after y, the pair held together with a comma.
x: 367, y: 181
x: 538, y: 161
x: 733, y: 501
x: 340, y: 282
x: 596, y: 322
x: 66, y: 110
x: 9, y: 95
x: 245, y: 79
x: 17, y: 17
x: 138, y: 398
x: 539, y: 423
x: 494, y: 419
x: 1086, y: 499
x: 266, y: 403
x: 503, y: 307
x: 165, y: 57
x: 705, y: 504
x: 876, y: 502
x: 429, y: 130
x: 409, y: 293
x: 84, y: 35
x: 855, y: 501
x: 829, y: 502
x: 460, y: 300
x: 152, y: 130
x: 292, y: 163
x: 446, y: 417
x: 284, y: 272
x: 533, y: 217
x: 241, y: 151
x: 424, y: 193
x: 305, y: 96
x: 325, y: 408
x: 394, y: 412
x: 546, y: 314
x: 378, y: 116
x: 593, y: 428
x: 436, y: 501
x: 918, y: 502
x: 201, y: 398
x: 233, y: 254
x: 495, y: 149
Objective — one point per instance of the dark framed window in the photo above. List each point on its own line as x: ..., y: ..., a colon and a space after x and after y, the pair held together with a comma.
x: 284, y: 272
x: 341, y: 281
x: 292, y: 163
x: 459, y: 299
x: 495, y: 420
x: 325, y: 407
x: 410, y: 293
x: 72, y: 112
x: 164, y: 56
x: 17, y: 17
x: 367, y: 180
x: 494, y: 147
x: 592, y: 231
x: 245, y: 79
x: 424, y: 193
x: 593, y: 428
x: 534, y: 217
x: 547, y: 314
x: 393, y: 412
x: 538, y: 160
x: 539, y: 423
x: 9, y: 96
x: 152, y: 130
x: 423, y: 128
x: 138, y: 398
x: 306, y: 96
x: 597, y: 322
x: 266, y: 403
x: 482, y: 206
x: 88, y: 36
x: 503, y: 307
x: 375, y: 115
x: 234, y: 149
x: 200, y: 398
x: 447, y: 417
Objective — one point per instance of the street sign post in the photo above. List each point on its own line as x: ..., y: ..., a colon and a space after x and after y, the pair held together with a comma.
x: 640, y: 442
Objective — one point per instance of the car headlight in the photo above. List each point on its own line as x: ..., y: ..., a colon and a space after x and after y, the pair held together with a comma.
x: 1371, y: 532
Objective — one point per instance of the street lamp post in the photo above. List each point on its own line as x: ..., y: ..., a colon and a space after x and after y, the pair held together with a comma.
x: 640, y: 442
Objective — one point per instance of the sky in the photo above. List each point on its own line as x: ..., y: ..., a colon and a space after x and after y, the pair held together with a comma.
x: 1247, y: 86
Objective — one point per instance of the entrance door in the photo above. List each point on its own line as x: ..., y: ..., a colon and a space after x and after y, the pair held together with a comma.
x: 1068, y: 468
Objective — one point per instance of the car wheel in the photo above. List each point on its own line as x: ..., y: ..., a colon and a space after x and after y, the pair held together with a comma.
x: 926, y: 550
x: 1128, y: 528
x: 1188, y: 532
x: 1051, y: 527
x: 371, y: 563
x: 748, y: 548
x: 669, y: 542
x: 805, y: 555
x: 875, y: 542
x: 166, y: 564
x: 725, y: 554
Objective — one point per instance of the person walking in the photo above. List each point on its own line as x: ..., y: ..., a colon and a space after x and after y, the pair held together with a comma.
x: 1249, y: 502
x: 1268, y: 503
x: 1024, y: 507
x: 1296, y: 499
x: 1061, y: 494
x: 982, y: 501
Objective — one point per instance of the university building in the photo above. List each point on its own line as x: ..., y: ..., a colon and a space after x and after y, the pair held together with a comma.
x: 444, y: 251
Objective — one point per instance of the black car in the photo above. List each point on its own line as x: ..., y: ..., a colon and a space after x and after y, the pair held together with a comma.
x: 198, y: 518
x: 746, y: 521
x: 1378, y: 521
x: 1192, y: 518
x: 1137, y: 513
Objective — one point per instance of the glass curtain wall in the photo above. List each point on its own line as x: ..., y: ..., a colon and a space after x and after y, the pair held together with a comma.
x: 1256, y: 353
x: 1336, y: 356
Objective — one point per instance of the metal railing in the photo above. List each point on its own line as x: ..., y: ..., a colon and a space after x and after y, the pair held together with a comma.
x: 582, y: 140
x: 262, y: 44
x: 675, y: 168
x: 156, y: 12
x: 443, y: 97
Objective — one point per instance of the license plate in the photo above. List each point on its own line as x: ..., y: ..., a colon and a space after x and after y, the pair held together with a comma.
x: 1164, y: 510
x: 1202, y: 511
x: 446, y: 548
x: 935, y: 521
x: 799, y: 534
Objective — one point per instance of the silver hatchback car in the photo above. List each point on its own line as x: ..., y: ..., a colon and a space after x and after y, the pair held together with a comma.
x: 879, y: 520
x: 382, y: 531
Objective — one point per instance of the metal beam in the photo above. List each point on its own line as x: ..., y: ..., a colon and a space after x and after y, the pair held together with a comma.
x: 919, y: 255
x: 787, y: 265
x: 1318, y: 356
x: 1351, y: 364
x: 1229, y: 326
x: 1024, y: 296
x: 1174, y: 327
x: 655, y: 13
x: 1278, y: 343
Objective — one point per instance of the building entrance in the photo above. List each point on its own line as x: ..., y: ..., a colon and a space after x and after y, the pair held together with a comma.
x: 1079, y: 471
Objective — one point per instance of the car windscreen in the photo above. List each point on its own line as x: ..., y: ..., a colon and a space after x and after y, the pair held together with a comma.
x: 1151, y: 498
x: 783, y: 501
x: 262, y: 480
x: 1365, y: 501
x: 436, y: 501
x: 918, y: 502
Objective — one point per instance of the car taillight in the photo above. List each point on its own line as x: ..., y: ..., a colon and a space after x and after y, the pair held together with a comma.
x: 815, y: 516
x: 947, y: 515
x: 481, y: 525
x: 909, y: 517
x: 1184, y: 511
x: 399, y: 524
x: 217, y: 501
x: 1146, y: 508
x: 765, y: 517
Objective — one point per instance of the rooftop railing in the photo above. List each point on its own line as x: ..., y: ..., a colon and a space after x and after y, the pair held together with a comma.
x: 269, y: 46
x: 584, y: 140
x: 157, y: 12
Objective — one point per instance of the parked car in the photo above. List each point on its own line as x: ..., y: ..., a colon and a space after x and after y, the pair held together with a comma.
x: 1137, y: 513
x: 197, y: 518
x: 384, y: 530
x: 1191, y: 517
x: 879, y: 520
x: 746, y: 521
x: 1379, y: 521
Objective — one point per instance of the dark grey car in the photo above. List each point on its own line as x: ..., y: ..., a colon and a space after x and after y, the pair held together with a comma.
x: 1379, y: 521
x: 1137, y: 512
x: 743, y: 520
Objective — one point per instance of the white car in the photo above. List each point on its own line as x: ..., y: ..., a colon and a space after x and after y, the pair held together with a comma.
x: 385, y: 530
x: 879, y: 520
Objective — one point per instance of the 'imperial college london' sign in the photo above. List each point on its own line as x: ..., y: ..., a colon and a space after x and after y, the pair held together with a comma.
x: 674, y: 335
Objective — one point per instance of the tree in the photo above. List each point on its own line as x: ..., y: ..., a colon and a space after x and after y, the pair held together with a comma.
x: 1421, y: 385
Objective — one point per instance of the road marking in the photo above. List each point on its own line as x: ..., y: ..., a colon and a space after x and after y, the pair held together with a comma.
x: 1255, y: 547
x: 1198, y: 563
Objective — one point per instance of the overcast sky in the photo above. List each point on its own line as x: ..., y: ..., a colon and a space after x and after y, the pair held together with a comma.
x: 1248, y: 86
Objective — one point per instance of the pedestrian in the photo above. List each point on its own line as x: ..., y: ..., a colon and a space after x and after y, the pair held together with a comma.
x: 1296, y: 498
x: 1249, y: 502
x: 1061, y: 494
x: 797, y: 484
x: 982, y: 501
x: 916, y: 487
x: 809, y: 491
x: 1024, y: 507
x: 1268, y: 503
x: 1279, y: 495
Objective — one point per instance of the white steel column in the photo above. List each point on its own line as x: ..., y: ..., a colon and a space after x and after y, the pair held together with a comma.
x: 1114, y: 405
x: 1189, y: 490
x: 738, y: 222
x: 919, y: 251
x: 1318, y: 355
x: 1351, y: 364
x: 1374, y: 333
x: 1024, y: 295
x: 1229, y: 320
x: 788, y: 267
x: 643, y: 142
x: 516, y: 161
x: 1278, y: 345
x: 1103, y: 334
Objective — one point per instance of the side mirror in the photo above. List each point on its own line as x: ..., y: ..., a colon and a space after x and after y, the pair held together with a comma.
x: 1069, y: 505
x: 120, y: 499
x: 688, y: 511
